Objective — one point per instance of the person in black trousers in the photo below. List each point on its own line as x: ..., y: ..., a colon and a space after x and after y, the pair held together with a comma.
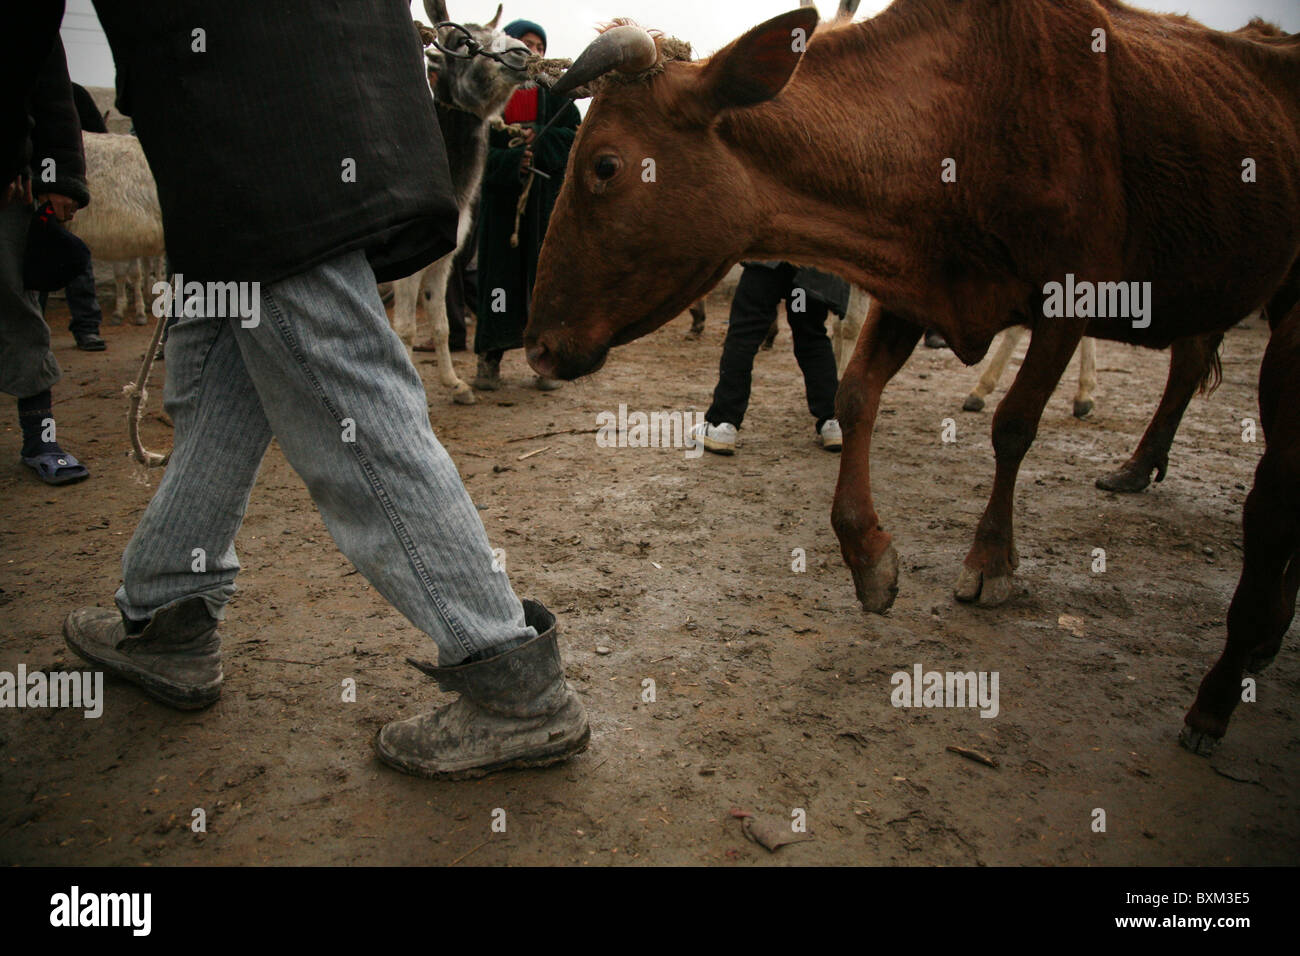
x: 809, y: 295
x: 83, y: 299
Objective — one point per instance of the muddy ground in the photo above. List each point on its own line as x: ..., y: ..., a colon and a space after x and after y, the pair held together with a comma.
x: 772, y: 688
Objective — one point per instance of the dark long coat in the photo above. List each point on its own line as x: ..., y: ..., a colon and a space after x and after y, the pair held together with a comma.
x: 284, y: 134
x: 500, y: 266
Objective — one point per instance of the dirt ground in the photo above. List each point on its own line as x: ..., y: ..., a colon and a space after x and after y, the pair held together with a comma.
x: 772, y: 688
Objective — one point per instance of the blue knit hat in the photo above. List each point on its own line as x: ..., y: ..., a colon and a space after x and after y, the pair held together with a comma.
x: 517, y: 29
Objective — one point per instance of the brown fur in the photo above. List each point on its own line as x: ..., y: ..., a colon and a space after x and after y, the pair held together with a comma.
x: 1115, y: 166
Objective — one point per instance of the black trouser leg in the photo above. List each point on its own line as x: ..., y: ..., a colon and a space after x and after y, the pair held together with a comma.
x: 83, y: 304
x: 816, y: 358
x: 753, y: 310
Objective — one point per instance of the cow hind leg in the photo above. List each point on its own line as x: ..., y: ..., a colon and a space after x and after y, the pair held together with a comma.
x: 986, y: 577
x: 1190, y: 361
x: 1264, y: 603
x: 988, y: 379
x: 884, y: 346
x: 1087, y: 377
x: 697, y: 319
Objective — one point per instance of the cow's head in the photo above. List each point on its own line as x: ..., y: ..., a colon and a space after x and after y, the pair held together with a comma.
x: 655, y: 206
x: 479, y: 84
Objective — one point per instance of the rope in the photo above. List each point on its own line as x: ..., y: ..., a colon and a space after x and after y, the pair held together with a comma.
x: 137, y: 393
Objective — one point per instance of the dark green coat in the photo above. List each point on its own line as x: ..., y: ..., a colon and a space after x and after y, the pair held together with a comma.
x: 500, y: 266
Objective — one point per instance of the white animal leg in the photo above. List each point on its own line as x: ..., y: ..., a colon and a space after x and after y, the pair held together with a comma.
x: 119, y: 288
x: 845, y: 331
x: 435, y: 304
x: 140, y: 317
x: 405, y: 293
x: 1087, y: 377
x: 994, y: 368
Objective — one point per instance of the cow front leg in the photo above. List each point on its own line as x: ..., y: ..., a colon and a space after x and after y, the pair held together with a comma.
x: 882, y: 349
x: 987, y: 574
x: 435, y: 306
x: 993, y: 371
x: 1190, y: 361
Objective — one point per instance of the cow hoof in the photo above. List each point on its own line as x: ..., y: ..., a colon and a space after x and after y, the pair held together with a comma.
x: 1260, y: 660
x: 139, y: 319
x: 694, y: 335
x: 1128, y: 480
x: 877, y: 585
x: 974, y: 587
x: 464, y: 396
x: 1198, y: 741
x: 973, y: 403
x: 1082, y: 409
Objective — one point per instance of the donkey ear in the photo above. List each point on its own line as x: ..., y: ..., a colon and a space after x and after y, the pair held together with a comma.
x: 756, y: 67
x: 492, y: 24
x: 437, y: 11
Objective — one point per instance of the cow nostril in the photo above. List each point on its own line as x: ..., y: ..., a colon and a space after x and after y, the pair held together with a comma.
x: 541, y: 359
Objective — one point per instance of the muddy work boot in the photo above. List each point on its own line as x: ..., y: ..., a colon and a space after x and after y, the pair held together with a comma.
x: 175, y: 658
x: 515, y: 710
x: 488, y: 378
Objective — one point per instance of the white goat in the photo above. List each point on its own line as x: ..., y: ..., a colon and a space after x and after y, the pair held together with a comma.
x: 123, y: 220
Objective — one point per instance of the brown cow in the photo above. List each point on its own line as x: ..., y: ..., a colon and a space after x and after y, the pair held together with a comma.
x: 1089, y: 142
x: 1264, y: 604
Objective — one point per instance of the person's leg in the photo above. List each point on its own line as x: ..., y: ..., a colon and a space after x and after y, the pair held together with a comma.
x: 83, y: 306
x: 351, y: 415
x: 753, y: 310
x: 816, y: 358
x: 28, y: 368
x: 184, y: 545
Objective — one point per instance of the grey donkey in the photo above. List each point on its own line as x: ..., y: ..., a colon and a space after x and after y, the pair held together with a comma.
x: 469, y: 94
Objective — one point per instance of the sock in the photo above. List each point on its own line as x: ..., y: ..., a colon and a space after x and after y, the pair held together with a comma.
x: 32, y: 414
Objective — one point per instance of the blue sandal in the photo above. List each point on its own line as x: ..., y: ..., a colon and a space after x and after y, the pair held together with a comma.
x: 57, y: 467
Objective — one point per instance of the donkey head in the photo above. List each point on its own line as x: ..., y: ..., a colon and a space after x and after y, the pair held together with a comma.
x: 479, y: 84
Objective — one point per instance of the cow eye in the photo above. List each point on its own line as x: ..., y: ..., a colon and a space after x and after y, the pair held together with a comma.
x: 606, y: 167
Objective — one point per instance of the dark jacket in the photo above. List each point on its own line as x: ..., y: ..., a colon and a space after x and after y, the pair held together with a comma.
x: 499, y: 265
x: 828, y: 289
x: 56, y: 133
x: 250, y: 137
x: 30, y: 30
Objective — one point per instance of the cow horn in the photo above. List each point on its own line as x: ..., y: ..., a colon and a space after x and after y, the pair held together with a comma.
x: 627, y: 49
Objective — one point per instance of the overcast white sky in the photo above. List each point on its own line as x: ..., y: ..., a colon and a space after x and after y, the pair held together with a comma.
x: 707, y: 24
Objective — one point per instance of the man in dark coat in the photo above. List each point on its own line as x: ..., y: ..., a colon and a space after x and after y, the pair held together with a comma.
x: 42, y: 156
x: 298, y: 159
x: 506, y: 273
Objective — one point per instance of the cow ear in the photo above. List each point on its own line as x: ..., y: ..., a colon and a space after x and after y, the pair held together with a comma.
x: 492, y: 24
x: 756, y: 67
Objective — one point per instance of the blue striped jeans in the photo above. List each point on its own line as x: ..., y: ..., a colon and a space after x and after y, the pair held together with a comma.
x: 321, y: 366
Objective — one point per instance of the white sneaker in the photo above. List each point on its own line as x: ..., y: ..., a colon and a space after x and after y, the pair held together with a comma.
x: 831, y: 436
x: 719, y: 439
